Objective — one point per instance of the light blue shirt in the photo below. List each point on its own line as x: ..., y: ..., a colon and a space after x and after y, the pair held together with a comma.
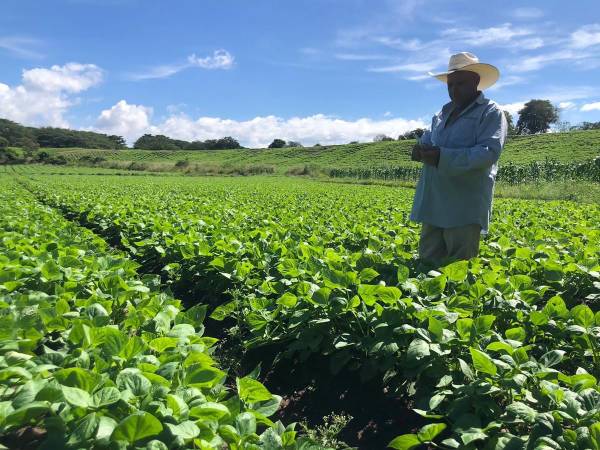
x: 459, y: 190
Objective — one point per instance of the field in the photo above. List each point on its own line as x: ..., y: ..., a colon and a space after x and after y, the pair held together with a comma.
x: 564, y: 147
x: 315, y: 293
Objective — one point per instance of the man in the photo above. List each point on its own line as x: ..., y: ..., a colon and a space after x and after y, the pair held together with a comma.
x: 453, y: 199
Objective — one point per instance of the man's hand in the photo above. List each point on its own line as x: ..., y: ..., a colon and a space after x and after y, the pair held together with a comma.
x: 416, y: 153
x: 430, y: 155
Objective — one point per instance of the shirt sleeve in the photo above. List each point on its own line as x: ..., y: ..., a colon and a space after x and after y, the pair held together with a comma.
x: 490, y: 141
x: 425, y: 139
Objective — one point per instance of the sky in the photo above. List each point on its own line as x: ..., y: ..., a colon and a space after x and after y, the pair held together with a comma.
x: 326, y: 71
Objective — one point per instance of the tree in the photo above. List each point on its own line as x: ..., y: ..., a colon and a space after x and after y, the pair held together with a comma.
x: 119, y: 141
x: 3, y: 142
x: 158, y: 142
x: 382, y: 138
x: 511, y: 126
x: 277, y: 143
x: 294, y: 144
x: 536, y: 117
x: 412, y: 134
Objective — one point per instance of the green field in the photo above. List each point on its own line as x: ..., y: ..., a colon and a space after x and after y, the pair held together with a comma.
x: 565, y: 147
x: 320, y: 283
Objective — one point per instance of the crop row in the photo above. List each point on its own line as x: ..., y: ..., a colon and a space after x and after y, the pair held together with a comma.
x: 503, y: 350
x: 537, y: 171
x: 94, y: 356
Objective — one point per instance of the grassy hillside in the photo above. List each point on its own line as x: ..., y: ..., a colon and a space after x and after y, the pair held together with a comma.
x: 579, y: 145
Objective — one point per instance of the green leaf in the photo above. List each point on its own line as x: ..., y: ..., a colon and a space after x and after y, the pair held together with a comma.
x: 77, y: 377
x: 321, y: 296
x: 245, y: 423
x: 552, y: 358
x: 51, y: 271
x: 521, y: 411
x: 105, y: 397
x: 160, y: 344
x: 367, y: 274
x: 595, y: 435
x: 185, y: 430
x: 203, y: 376
x: 134, y: 381
x: 288, y: 300
x: 457, y: 271
x: 77, y: 397
x: 583, y: 315
x: 85, y: 430
x: 223, y: 311
x: 405, y: 442
x: 402, y: 273
x: 434, y: 286
x: 430, y: 431
x: 418, y: 349
x: 210, y: 411
x: 251, y: 391
x: 482, y: 362
x: 137, y: 426
x: 24, y: 415
x: 465, y: 328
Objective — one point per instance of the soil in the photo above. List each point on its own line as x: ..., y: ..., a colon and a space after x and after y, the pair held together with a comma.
x: 310, y: 392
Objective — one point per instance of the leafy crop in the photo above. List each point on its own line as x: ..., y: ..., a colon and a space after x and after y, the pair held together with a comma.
x: 499, y: 352
x: 93, y: 356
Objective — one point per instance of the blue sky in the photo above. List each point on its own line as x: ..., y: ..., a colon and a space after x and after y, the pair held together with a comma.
x: 326, y: 71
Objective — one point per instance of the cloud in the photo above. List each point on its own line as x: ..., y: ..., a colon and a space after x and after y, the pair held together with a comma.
x: 513, y: 108
x: 132, y: 121
x: 220, y: 59
x: 566, y: 105
x: 72, y: 77
x: 528, y: 13
x: 586, y: 36
x: 124, y: 119
x: 46, y: 94
x: 497, y: 36
x: 509, y: 80
x: 23, y: 47
x: 590, y: 107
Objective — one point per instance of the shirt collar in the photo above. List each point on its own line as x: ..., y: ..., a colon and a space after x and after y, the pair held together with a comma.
x: 480, y: 99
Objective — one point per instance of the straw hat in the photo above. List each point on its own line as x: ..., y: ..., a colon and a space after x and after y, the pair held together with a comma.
x: 488, y: 74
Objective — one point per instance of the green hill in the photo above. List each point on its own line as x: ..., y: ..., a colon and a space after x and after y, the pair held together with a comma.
x: 564, y: 147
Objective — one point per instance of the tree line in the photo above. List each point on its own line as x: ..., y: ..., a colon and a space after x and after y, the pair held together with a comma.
x: 536, y: 116
x: 13, y: 134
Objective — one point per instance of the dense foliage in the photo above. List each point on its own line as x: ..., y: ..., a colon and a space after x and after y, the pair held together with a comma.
x: 499, y: 352
x: 31, y: 138
x: 161, y: 142
x: 94, y: 356
x: 548, y: 170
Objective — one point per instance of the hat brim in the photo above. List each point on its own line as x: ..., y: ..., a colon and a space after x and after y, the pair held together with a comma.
x: 488, y: 74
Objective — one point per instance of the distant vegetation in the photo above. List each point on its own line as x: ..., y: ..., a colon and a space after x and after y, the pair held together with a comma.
x: 30, y: 138
x: 161, y: 142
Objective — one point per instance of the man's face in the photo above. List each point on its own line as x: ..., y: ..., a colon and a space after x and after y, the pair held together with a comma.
x: 462, y: 87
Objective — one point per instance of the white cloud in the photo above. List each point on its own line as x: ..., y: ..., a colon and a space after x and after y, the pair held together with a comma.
x: 513, y: 108
x: 72, y: 77
x: 508, y: 80
x: 566, y: 105
x: 124, y: 119
x: 493, y: 36
x: 220, y: 59
x: 132, y: 121
x: 528, y: 13
x: 586, y: 36
x: 591, y: 107
x: 45, y: 94
x: 22, y: 47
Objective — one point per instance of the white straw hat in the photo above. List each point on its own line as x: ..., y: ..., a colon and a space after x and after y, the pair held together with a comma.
x: 466, y: 61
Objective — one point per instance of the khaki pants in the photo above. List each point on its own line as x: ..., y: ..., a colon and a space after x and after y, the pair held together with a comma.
x: 441, y: 245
